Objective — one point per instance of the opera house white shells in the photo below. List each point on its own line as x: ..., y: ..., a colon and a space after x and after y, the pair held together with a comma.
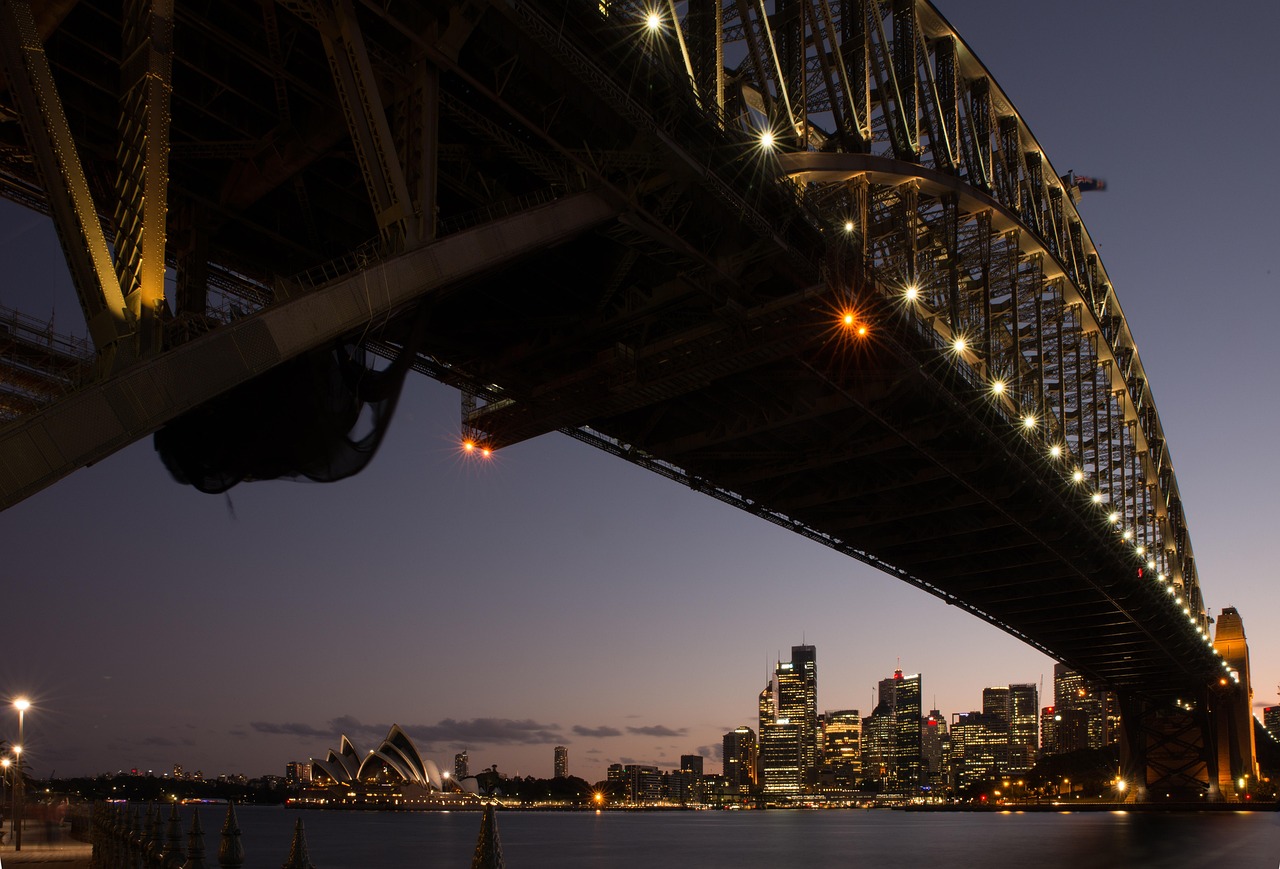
x: 395, y: 760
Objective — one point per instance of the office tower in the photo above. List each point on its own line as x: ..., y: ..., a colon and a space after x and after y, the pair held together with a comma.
x: 798, y: 701
x: 1271, y: 721
x: 900, y: 695
x: 879, y: 730
x: 766, y: 706
x: 691, y: 763
x: 979, y: 747
x: 780, y: 759
x: 1017, y: 705
x: 562, y: 762
x: 460, y: 768
x: 935, y: 748
x: 740, y: 759
x: 642, y: 783
x: 1049, y: 720
x: 1078, y: 700
x: 841, y: 750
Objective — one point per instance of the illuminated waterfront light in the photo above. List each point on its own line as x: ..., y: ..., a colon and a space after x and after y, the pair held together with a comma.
x: 1128, y: 534
x: 848, y: 226
x: 1097, y: 497
x: 486, y: 452
x: 766, y: 140
x: 1077, y: 475
x: 469, y: 446
x: 847, y: 319
x: 1055, y: 451
x: 912, y: 292
x: 1163, y: 578
x: 654, y: 22
x: 1151, y: 564
x: 959, y: 344
x: 1170, y: 588
x: 1028, y: 421
x: 1113, y: 518
x: 997, y: 387
x: 1140, y: 550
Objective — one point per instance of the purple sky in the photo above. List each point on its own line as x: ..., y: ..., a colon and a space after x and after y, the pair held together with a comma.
x: 558, y: 595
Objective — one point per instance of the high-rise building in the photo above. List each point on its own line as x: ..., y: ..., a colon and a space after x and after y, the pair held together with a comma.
x: 841, y: 768
x: 780, y: 759
x: 979, y: 747
x: 1082, y: 703
x: 1049, y: 720
x: 798, y: 701
x: 297, y: 773
x: 901, y: 695
x: 740, y: 759
x: 935, y: 748
x: 1018, y: 705
x: 1271, y: 721
x: 691, y: 763
x: 879, y: 729
x: 562, y: 762
x: 460, y: 768
x: 642, y: 783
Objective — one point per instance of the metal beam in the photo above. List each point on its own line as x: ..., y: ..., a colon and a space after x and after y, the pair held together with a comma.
x: 57, y: 161
x: 39, y: 449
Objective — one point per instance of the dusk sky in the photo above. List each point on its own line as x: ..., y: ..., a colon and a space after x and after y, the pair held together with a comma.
x: 557, y: 595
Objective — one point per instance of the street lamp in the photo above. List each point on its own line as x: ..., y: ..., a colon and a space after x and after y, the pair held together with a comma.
x: 4, y: 763
x: 22, y: 704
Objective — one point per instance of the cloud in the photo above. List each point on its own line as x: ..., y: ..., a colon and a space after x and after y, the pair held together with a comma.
x: 593, y: 751
x: 462, y: 733
x: 290, y: 729
x: 657, y: 730
x: 487, y: 731
x: 715, y: 752
x: 596, y: 732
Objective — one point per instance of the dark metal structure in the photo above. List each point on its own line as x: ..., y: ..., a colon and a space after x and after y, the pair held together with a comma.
x: 803, y: 255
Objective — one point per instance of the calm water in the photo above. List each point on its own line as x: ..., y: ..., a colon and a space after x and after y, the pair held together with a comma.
x: 754, y: 840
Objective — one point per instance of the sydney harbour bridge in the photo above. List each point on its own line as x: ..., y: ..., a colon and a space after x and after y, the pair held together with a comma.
x: 801, y: 255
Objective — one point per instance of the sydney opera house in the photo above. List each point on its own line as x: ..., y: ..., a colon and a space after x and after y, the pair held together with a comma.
x: 393, y: 775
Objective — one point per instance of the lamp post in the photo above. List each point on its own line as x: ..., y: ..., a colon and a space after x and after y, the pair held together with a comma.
x: 19, y: 803
x: 4, y: 763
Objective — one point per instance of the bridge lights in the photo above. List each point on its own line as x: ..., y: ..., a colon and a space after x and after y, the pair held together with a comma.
x: 959, y: 344
x: 766, y: 140
x: 997, y: 387
x: 1055, y: 451
x: 470, y: 447
x: 653, y: 21
x: 1151, y: 565
x: 912, y: 292
x: 1113, y: 518
x: 848, y: 226
x: 1128, y: 534
x: 1097, y: 499
x: 1028, y: 422
x: 1140, y: 549
x: 1077, y: 476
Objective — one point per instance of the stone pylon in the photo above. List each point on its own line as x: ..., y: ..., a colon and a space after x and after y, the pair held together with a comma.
x: 298, y: 858
x: 231, y: 849
x: 488, y: 849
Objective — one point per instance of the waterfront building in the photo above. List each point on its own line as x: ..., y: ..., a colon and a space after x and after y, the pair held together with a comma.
x: 691, y: 763
x: 1083, y: 703
x: 461, y: 766
x: 900, y: 695
x: 1049, y: 721
x: 979, y: 747
x: 297, y: 773
x: 797, y: 682
x: 614, y: 774
x: 1271, y: 721
x: 841, y: 768
x: 780, y: 759
x: 878, y: 732
x: 1018, y: 705
x: 741, y: 759
x: 562, y: 762
x: 935, y: 749
x: 641, y: 783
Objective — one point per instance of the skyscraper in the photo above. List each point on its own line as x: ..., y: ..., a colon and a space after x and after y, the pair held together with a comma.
x: 900, y: 695
x: 740, y: 759
x: 979, y: 747
x: 780, y: 759
x: 1082, y: 703
x: 460, y: 770
x: 935, y: 748
x: 789, y: 725
x: 1018, y: 706
x: 841, y: 750
x: 798, y: 701
x: 562, y: 762
x: 1271, y: 721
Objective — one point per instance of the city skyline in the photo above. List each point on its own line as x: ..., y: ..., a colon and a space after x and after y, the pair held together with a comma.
x: 558, y: 596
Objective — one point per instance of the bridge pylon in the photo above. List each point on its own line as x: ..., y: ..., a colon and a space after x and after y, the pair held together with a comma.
x: 1198, y: 746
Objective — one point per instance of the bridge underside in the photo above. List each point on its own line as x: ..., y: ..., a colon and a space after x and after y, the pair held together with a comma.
x: 594, y: 252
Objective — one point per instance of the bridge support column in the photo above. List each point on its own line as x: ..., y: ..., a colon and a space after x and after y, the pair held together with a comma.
x: 1167, y: 749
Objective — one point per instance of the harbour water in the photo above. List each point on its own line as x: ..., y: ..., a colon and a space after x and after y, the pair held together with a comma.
x: 755, y: 840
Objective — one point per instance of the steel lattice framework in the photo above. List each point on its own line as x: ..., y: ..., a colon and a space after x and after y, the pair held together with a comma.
x: 803, y: 255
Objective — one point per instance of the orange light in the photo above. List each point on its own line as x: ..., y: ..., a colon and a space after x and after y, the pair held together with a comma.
x: 469, y: 445
x: 848, y: 319
x: 862, y: 330
x: 486, y: 452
